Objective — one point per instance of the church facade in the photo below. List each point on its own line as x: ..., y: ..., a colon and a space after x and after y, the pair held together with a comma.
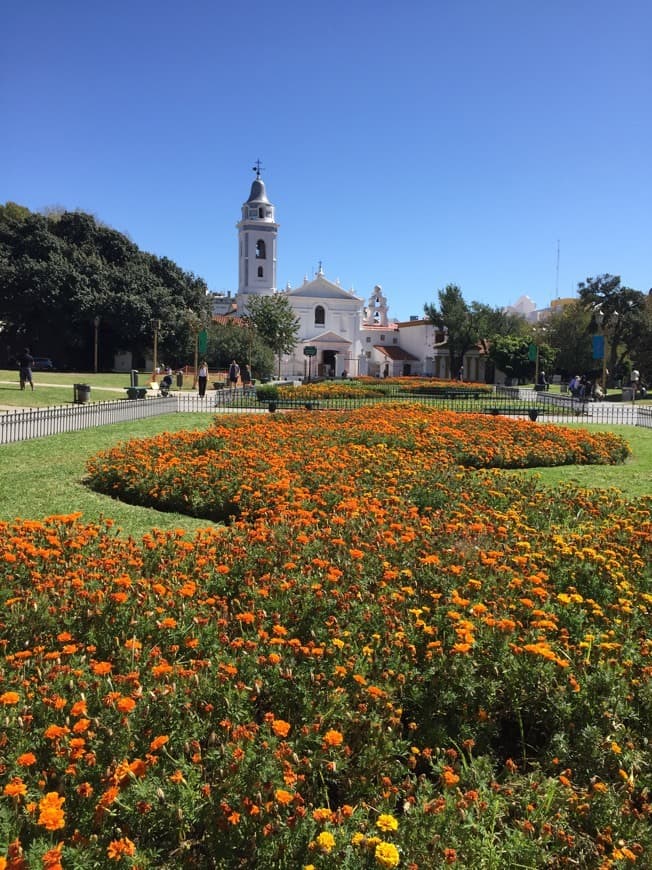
x: 339, y: 332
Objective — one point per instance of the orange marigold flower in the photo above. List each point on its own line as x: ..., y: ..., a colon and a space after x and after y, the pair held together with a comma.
x: 52, y: 858
x: 101, y: 668
x: 117, y: 849
x: 27, y: 759
x: 157, y: 742
x: 78, y: 708
x: 9, y: 698
x: 51, y: 815
x: 283, y: 797
x: 333, y: 738
x: 125, y: 704
x: 449, y: 778
x: 281, y: 728
x: 15, y: 788
x: 55, y: 732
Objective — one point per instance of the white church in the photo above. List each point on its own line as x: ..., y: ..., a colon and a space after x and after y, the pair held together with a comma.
x: 343, y: 334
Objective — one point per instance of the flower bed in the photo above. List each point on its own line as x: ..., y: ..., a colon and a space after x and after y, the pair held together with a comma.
x: 251, y: 464
x: 386, y: 659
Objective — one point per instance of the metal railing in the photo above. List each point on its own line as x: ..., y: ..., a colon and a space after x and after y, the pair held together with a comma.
x: 21, y: 424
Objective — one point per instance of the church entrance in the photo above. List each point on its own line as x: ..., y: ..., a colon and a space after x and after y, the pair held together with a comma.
x: 327, y: 367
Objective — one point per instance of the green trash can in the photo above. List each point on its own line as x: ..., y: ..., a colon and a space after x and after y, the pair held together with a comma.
x: 81, y: 393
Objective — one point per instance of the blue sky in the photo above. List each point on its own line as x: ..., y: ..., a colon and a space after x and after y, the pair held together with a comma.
x: 410, y: 144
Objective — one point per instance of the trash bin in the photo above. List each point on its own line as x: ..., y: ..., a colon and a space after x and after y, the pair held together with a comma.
x: 134, y: 378
x: 628, y: 394
x: 81, y: 393
x: 179, y: 379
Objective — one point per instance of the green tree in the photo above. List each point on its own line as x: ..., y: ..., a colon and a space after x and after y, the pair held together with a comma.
x: 60, y: 271
x: 468, y: 325
x: 568, y: 332
x: 511, y: 354
x: 616, y: 312
x: 275, y: 323
x: 237, y: 340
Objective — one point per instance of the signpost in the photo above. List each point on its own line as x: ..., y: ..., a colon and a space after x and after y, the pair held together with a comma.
x: 309, y: 350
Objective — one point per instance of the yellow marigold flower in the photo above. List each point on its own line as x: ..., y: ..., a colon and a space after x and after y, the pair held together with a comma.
x: 386, y: 855
x: 358, y: 839
x: 325, y: 842
x: 387, y: 823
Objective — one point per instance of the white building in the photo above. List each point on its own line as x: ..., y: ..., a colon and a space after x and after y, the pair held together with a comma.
x: 341, y: 334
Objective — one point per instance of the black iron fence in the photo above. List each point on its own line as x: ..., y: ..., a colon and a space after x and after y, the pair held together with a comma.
x: 21, y: 425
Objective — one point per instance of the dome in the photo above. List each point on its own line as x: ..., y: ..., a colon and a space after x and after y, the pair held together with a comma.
x: 258, y: 193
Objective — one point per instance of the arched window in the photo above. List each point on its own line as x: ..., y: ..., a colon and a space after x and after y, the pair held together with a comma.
x: 320, y: 315
x: 260, y: 250
x: 260, y: 271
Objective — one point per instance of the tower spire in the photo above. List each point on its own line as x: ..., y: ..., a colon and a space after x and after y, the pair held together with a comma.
x: 257, y: 167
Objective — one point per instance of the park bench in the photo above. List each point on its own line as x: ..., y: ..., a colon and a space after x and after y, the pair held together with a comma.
x: 568, y: 403
x: 513, y: 411
x: 273, y: 404
x: 444, y: 395
x: 136, y: 392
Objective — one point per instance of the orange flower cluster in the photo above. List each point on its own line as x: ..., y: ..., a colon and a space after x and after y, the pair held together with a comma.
x: 387, y: 639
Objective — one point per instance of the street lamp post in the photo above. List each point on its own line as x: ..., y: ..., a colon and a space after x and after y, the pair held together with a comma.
x: 96, y: 324
x: 157, y: 325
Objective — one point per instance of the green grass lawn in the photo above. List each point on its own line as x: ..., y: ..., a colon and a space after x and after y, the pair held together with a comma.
x: 45, y: 476
x: 56, y: 388
x: 634, y: 478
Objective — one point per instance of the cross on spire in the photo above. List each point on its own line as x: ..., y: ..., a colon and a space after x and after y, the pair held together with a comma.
x: 257, y: 167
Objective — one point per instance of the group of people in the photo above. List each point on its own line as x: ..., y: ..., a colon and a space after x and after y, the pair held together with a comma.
x: 235, y: 374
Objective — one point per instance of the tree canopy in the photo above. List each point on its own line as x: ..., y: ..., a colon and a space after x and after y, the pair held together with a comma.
x: 60, y: 271
x: 617, y: 312
x: 467, y: 325
x: 275, y: 322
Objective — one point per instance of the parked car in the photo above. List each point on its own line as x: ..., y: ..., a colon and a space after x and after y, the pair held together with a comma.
x: 43, y: 364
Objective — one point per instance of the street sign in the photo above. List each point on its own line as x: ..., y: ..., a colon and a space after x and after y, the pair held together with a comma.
x: 310, y: 350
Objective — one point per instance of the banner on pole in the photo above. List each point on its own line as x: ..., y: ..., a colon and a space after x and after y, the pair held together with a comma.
x: 598, y: 347
x: 202, y: 341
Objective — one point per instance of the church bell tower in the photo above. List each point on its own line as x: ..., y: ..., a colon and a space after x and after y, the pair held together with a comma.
x: 257, y: 235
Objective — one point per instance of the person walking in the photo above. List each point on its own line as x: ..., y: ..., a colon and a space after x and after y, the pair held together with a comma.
x: 245, y: 377
x: 202, y: 378
x: 25, y: 363
x: 234, y: 374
